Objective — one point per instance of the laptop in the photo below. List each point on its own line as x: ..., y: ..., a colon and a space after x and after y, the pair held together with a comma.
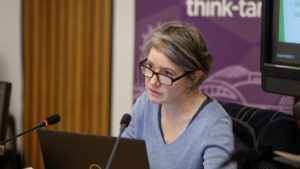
x: 66, y: 150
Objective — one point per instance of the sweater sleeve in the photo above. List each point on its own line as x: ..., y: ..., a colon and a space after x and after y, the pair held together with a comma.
x: 219, y: 144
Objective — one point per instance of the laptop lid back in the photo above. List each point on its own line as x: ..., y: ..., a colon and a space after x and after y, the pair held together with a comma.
x: 63, y: 150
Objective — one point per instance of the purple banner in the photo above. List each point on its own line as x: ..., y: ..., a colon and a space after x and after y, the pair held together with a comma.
x: 231, y: 30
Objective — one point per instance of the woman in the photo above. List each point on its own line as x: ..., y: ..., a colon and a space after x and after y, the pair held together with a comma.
x: 182, y: 127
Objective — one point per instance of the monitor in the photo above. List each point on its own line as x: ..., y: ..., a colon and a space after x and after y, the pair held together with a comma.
x: 5, y: 92
x: 280, y: 46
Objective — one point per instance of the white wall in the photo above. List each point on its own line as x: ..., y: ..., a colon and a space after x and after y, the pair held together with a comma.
x: 123, y: 60
x: 123, y: 55
x: 10, y: 54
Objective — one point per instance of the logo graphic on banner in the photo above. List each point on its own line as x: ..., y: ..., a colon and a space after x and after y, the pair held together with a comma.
x: 223, y: 8
x: 231, y: 83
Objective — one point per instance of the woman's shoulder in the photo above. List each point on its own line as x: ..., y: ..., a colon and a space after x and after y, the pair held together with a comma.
x: 214, y: 111
x: 216, y: 107
x: 142, y: 99
x: 143, y: 104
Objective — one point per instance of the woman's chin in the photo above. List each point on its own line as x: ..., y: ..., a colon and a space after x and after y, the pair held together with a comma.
x: 154, y: 100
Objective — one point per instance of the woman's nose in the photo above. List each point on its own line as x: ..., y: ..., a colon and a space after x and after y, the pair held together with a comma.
x: 154, y: 80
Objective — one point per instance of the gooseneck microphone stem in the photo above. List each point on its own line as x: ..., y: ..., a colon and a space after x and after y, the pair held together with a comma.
x: 27, y: 131
x: 124, y: 123
x: 49, y: 121
x: 108, y: 165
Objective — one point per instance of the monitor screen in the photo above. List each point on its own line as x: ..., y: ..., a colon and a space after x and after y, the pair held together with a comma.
x: 286, y: 32
x: 280, y: 46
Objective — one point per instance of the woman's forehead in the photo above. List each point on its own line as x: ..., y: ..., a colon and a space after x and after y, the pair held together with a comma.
x: 160, y: 60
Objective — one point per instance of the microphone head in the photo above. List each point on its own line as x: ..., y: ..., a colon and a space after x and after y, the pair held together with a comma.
x: 125, y: 120
x: 50, y: 120
x: 53, y: 119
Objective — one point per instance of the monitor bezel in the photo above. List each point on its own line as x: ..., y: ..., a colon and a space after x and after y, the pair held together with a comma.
x: 277, y: 77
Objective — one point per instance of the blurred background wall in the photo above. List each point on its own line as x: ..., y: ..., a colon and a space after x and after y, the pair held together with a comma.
x: 11, y: 54
x: 12, y: 64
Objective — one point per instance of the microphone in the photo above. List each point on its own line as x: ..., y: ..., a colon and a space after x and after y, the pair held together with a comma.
x: 49, y: 121
x: 124, y: 123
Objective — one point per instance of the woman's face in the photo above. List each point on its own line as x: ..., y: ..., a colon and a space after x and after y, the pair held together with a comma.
x: 158, y: 92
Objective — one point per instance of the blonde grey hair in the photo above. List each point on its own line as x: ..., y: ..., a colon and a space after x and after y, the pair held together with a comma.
x: 183, y: 44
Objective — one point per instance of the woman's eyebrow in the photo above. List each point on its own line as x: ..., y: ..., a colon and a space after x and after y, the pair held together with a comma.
x: 166, y: 68
x: 161, y: 68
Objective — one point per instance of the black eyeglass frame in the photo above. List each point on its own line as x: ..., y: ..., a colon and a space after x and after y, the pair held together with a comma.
x: 141, y: 64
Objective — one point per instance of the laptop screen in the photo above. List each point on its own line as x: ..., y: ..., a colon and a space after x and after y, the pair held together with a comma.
x: 61, y: 150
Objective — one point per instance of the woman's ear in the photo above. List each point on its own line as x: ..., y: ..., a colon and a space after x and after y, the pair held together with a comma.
x: 196, y: 75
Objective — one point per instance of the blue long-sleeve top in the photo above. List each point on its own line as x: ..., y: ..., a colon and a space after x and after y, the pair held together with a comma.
x: 205, y: 144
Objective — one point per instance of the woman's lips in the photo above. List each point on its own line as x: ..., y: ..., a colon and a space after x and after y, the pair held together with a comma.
x: 154, y: 93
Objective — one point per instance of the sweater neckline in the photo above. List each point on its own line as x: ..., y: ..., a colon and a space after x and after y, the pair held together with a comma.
x: 201, y: 107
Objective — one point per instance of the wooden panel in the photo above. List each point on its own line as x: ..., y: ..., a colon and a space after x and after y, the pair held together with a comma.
x: 66, y: 53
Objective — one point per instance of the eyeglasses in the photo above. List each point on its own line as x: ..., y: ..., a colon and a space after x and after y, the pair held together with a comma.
x: 164, y: 79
